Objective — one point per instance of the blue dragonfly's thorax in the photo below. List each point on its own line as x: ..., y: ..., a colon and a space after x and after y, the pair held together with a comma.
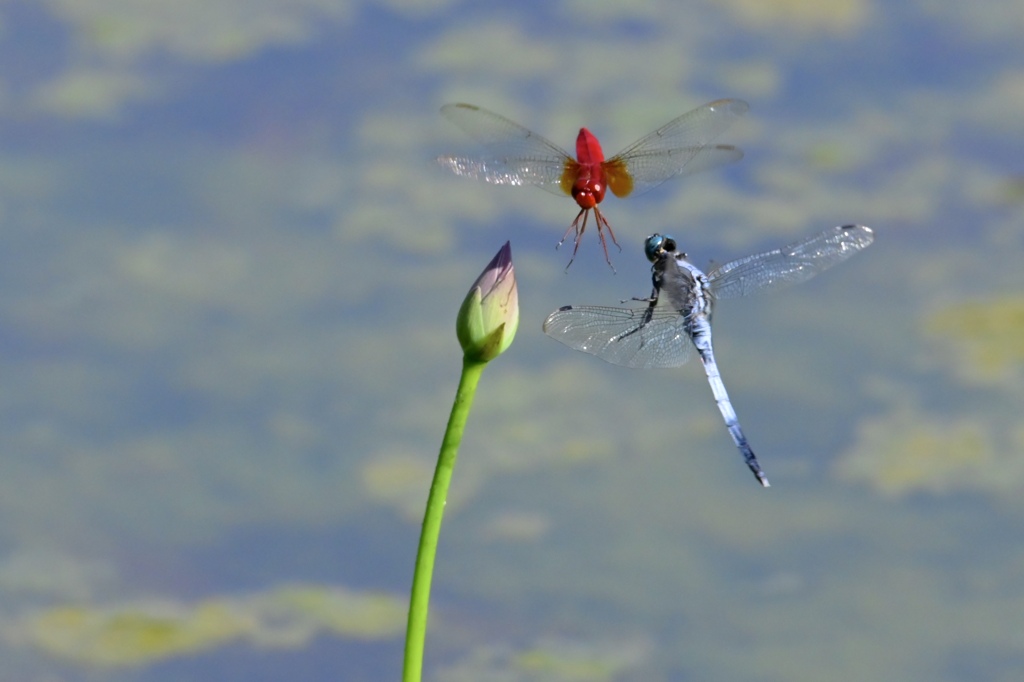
x: 680, y: 284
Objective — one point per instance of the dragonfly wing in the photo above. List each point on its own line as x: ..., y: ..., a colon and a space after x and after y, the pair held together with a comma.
x: 513, y: 155
x: 682, y: 146
x: 620, y: 335
x: 792, y: 264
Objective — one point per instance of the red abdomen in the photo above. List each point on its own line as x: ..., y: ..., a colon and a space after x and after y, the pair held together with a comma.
x: 588, y: 149
x: 588, y: 187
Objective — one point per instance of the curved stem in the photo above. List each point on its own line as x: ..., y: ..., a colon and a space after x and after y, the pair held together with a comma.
x: 419, y: 600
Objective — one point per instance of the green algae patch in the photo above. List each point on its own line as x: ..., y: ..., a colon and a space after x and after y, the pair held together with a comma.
x: 144, y: 632
x: 396, y: 480
x: 133, y: 634
x: 989, y: 335
x: 911, y: 451
x: 552, y: 664
x: 349, y: 614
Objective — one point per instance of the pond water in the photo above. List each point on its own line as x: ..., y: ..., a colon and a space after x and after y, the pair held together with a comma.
x: 229, y: 275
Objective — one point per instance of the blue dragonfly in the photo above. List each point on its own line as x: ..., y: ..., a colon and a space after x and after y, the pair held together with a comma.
x: 661, y: 329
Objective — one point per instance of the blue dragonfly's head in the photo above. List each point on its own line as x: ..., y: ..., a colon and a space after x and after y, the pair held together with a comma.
x: 657, y: 245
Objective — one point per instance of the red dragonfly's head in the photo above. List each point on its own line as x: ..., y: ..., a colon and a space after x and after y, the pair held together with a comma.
x: 587, y: 193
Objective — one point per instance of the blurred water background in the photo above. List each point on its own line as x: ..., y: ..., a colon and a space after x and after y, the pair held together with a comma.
x: 229, y: 274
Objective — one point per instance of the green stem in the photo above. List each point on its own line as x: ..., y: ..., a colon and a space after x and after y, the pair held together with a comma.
x: 419, y: 601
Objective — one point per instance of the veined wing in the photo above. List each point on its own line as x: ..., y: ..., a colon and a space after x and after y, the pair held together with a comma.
x: 792, y: 264
x: 680, y: 147
x: 513, y: 155
x: 620, y: 335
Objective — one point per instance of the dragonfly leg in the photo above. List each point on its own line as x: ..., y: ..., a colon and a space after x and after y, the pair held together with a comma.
x: 579, y: 227
x: 575, y: 227
x: 645, y: 320
x: 600, y: 220
x: 652, y: 299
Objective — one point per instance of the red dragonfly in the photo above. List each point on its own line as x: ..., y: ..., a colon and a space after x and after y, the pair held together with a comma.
x: 516, y: 156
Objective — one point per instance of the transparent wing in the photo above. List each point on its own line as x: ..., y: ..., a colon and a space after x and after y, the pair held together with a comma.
x: 620, y: 335
x: 682, y: 146
x: 512, y: 154
x: 792, y: 264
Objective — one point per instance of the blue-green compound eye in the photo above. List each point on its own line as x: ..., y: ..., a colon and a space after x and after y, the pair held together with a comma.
x: 657, y: 244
